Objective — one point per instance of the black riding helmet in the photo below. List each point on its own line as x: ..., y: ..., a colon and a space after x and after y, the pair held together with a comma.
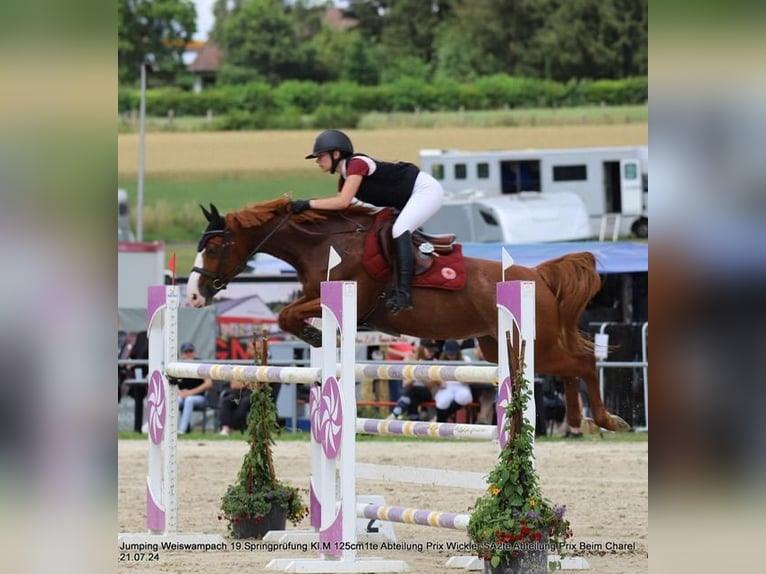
x: 331, y: 140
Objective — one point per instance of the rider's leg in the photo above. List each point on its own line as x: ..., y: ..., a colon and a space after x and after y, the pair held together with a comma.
x: 427, y: 197
x: 405, y: 266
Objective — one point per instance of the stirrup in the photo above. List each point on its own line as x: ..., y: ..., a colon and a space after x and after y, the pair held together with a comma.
x: 395, y: 303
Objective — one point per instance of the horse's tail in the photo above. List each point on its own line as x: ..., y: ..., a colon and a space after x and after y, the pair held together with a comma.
x: 574, y: 282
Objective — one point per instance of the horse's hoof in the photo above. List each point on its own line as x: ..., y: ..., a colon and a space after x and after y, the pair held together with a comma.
x: 590, y: 426
x: 619, y: 424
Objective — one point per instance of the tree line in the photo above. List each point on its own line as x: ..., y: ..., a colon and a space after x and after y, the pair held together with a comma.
x: 383, y: 41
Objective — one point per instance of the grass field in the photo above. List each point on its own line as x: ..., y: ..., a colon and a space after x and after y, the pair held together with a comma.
x: 232, y: 169
x: 590, y: 115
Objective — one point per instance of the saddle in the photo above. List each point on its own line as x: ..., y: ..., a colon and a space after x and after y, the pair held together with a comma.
x: 438, y: 259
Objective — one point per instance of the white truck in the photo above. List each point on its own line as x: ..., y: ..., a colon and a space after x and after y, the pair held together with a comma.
x: 609, y: 180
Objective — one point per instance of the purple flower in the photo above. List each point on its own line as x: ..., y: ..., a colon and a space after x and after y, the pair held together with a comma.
x: 515, y: 513
x: 532, y: 515
x: 559, y: 511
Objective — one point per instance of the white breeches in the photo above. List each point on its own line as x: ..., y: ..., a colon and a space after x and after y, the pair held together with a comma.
x: 453, y: 391
x: 427, y: 198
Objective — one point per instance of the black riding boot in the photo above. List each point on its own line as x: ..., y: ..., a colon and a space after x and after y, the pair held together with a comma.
x: 405, y: 263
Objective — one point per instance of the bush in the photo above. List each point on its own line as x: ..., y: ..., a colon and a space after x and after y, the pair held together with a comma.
x: 256, y: 105
x: 303, y: 96
x: 335, y: 117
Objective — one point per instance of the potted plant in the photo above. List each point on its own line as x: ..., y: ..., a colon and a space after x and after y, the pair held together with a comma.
x: 512, y: 525
x: 258, y: 502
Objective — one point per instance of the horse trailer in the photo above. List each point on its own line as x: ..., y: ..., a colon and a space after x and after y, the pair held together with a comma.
x: 610, y: 180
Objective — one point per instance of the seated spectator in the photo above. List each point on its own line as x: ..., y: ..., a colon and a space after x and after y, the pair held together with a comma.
x: 416, y: 392
x: 451, y: 395
x: 235, y: 406
x: 483, y: 394
x: 135, y: 346
x: 235, y: 402
x: 191, y: 392
x: 397, y: 352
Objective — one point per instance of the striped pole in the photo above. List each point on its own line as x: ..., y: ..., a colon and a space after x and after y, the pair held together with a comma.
x: 453, y: 431
x: 413, y: 516
x: 244, y: 373
x: 461, y: 373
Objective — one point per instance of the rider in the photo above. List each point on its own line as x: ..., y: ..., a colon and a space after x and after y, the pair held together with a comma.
x: 400, y: 185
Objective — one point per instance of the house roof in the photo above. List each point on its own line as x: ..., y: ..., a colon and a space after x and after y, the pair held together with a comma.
x: 209, y: 59
x: 336, y: 19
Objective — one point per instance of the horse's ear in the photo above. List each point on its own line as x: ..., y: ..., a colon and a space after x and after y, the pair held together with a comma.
x: 206, y: 213
x: 214, y: 211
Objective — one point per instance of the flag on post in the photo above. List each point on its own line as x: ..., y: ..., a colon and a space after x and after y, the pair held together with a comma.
x: 333, y: 261
x: 507, y: 261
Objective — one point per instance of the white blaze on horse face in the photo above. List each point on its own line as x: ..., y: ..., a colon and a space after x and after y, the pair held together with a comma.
x: 193, y: 296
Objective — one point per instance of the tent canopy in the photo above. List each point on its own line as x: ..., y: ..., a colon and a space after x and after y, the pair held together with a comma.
x: 624, y: 257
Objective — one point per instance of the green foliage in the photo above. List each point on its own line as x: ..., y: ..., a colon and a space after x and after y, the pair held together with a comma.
x: 303, y: 96
x: 513, y: 512
x: 260, y: 36
x: 153, y: 31
x: 257, y: 487
x: 335, y: 117
x: 257, y: 105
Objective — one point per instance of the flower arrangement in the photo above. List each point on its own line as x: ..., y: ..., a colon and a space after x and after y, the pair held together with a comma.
x: 513, y: 518
x: 257, y: 489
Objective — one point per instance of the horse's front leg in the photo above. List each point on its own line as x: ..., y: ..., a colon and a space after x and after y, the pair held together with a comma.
x: 293, y: 317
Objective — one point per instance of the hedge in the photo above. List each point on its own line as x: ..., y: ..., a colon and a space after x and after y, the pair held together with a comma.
x: 255, y: 102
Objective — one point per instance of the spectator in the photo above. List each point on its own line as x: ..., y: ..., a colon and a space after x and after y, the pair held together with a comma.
x: 452, y: 395
x: 416, y: 392
x: 135, y: 346
x: 191, y: 392
x: 554, y: 407
x: 483, y: 394
x: 235, y: 402
x: 397, y: 352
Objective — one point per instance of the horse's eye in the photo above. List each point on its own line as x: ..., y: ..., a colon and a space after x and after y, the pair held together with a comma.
x: 211, y: 251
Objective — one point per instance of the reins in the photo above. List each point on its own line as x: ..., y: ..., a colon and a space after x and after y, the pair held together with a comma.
x: 220, y: 283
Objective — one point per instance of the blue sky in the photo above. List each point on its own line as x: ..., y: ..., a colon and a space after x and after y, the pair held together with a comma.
x: 204, y: 18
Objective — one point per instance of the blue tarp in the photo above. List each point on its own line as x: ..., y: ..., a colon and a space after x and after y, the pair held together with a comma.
x: 624, y: 257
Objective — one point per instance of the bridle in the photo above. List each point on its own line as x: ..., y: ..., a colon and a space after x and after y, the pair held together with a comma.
x: 220, y: 280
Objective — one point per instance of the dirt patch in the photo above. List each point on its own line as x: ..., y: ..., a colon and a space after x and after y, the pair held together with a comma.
x: 603, y: 483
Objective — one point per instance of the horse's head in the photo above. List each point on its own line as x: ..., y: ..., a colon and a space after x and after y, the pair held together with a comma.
x: 227, y: 244
x: 214, y: 266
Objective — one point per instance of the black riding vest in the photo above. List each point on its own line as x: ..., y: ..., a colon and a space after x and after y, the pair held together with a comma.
x: 390, y: 186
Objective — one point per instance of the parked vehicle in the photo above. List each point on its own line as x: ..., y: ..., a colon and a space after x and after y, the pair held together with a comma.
x: 519, y: 218
x: 610, y: 180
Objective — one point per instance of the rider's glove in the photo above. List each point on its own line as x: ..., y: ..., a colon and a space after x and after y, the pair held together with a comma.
x: 301, y: 205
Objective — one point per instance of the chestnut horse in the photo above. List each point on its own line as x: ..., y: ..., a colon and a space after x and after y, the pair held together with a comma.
x: 563, y: 288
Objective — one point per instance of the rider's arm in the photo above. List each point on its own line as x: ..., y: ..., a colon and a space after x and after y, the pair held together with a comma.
x: 343, y: 199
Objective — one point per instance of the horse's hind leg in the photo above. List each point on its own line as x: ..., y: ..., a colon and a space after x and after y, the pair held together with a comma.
x: 601, y: 416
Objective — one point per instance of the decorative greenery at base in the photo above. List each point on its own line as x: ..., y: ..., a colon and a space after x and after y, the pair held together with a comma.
x: 257, y: 487
x: 513, y: 516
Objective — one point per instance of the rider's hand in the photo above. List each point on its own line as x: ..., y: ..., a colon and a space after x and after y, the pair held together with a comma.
x: 301, y: 205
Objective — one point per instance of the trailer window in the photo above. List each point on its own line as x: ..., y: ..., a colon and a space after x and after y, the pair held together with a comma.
x: 437, y: 170
x: 460, y: 171
x: 570, y: 172
x: 482, y: 170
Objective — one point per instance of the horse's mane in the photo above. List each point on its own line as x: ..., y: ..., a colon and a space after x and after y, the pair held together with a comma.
x: 257, y: 214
